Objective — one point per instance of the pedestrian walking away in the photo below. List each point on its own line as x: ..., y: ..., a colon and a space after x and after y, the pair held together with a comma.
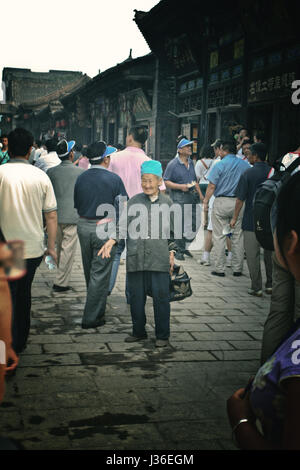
x: 63, y: 178
x: 26, y: 194
x: 245, y: 191
x: 223, y: 180
x: 95, y: 188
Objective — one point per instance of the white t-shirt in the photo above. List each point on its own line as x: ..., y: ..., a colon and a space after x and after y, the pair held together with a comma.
x: 39, y: 153
x: 25, y: 193
x: 48, y: 161
x: 201, y: 169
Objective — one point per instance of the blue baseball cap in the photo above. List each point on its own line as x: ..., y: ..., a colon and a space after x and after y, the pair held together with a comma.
x: 109, y: 150
x: 71, y: 145
x: 152, y: 167
x: 184, y: 143
x: 64, y: 148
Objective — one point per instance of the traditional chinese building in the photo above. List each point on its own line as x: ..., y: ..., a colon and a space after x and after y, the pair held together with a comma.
x: 135, y: 92
x: 233, y: 65
x: 33, y: 98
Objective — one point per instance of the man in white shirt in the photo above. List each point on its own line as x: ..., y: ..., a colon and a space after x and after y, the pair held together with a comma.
x: 40, y: 151
x: 51, y: 159
x: 26, y: 193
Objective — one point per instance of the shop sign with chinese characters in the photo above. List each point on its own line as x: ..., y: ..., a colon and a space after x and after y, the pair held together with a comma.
x: 270, y: 86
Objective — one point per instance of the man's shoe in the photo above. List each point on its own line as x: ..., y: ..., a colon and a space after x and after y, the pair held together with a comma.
x: 256, y: 293
x: 161, y: 343
x: 188, y: 253
x: 204, y: 262
x: 215, y: 273
x: 179, y: 256
x: 237, y: 274
x: 85, y: 326
x: 134, y: 339
x: 269, y: 290
x: 60, y: 288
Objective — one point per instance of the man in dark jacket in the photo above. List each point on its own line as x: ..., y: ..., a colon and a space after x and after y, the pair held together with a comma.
x: 96, y: 190
x: 245, y: 191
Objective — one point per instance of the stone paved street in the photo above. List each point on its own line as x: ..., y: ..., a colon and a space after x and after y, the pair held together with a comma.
x: 87, y: 389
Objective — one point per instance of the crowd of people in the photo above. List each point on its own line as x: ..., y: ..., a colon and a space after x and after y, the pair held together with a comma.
x: 58, y: 192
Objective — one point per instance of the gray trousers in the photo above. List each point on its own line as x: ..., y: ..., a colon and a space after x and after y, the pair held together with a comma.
x: 97, y: 271
x: 222, y: 213
x: 66, y: 244
x: 252, y: 250
x: 190, y: 219
x: 284, y: 309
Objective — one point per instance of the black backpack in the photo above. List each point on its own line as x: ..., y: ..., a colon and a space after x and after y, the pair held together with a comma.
x: 264, y: 199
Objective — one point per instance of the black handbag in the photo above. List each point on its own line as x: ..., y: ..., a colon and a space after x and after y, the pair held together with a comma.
x: 180, y: 284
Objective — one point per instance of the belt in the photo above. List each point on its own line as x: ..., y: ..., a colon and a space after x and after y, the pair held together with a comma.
x: 222, y: 195
x: 99, y: 221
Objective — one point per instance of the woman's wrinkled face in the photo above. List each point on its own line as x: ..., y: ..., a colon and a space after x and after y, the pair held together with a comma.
x: 150, y: 184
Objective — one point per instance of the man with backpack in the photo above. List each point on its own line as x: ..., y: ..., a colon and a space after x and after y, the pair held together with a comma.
x: 285, y: 299
x: 247, y: 186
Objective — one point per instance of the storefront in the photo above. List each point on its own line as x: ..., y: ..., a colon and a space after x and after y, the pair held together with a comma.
x: 270, y: 106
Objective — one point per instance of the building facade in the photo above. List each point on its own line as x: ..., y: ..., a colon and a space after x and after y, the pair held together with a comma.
x: 231, y: 69
x: 32, y: 99
x: 135, y: 92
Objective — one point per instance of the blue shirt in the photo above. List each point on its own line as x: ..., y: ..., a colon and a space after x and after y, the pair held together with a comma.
x: 4, y: 157
x: 94, y: 187
x: 178, y: 173
x: 226, y: 174
x: 246, y: 188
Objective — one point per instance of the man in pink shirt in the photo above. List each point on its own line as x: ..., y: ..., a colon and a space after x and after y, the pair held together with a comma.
x: 127, y: 163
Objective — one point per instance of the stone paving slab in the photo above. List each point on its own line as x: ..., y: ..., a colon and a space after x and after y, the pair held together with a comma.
x: 87, y: 389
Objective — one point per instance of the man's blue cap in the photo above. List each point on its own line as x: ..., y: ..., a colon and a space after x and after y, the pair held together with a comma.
x: 152, y: 167
x: 184, y: 143
x: 109, y: 150
x: 71, y: 144
x: 64, y: 148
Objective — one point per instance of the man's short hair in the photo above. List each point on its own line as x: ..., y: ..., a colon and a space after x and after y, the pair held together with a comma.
x: 229, y: 146
x: 19, y: 142
x: 139, y: 134
x: 51, y: 144
x: 260, y: 150
x: 96, y: 151
x: 4, y: 136
x: 248, y: 142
